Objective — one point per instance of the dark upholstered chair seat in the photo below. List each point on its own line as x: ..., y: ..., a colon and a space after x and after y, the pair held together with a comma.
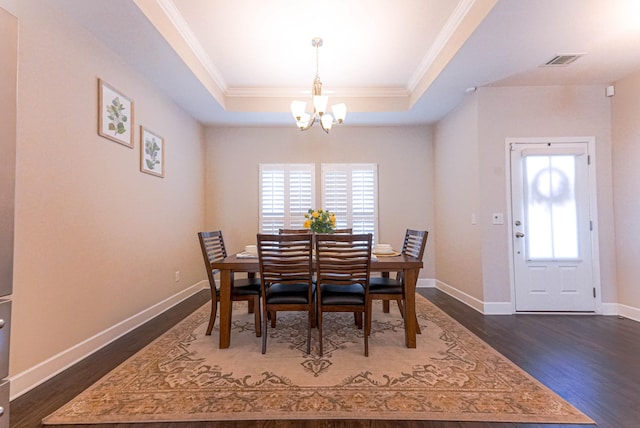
x: 287, y: 294
x: 335, y: 294
x: 246, y: 286
x: 380, y: 285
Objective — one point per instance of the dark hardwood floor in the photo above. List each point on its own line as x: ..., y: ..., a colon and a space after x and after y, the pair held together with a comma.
x: 591, y: 361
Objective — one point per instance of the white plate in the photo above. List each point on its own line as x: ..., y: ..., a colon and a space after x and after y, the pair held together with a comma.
x: 391, y: 251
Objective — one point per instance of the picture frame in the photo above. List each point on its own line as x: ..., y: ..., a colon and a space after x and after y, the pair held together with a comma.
x: 152, y: 147
x: 115, y: 115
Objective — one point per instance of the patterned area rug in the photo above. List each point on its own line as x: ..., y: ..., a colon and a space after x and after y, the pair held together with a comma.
x: 451, y: 375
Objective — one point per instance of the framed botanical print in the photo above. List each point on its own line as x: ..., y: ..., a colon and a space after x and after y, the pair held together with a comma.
x: 151, y: 152
x: 115, y: 115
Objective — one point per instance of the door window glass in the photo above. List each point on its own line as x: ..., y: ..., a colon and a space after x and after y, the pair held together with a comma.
x: 550, y: 207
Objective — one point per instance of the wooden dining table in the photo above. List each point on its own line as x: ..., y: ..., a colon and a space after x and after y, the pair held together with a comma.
x: 384, y: 264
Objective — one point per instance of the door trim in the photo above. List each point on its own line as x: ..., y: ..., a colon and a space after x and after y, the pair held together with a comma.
x: 593, y: 207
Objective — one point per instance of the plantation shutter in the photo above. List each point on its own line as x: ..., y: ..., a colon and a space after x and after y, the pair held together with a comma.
x: 334, y: 194
x: 301, y: 194
x: 351, y: 192
x: 287, y: 191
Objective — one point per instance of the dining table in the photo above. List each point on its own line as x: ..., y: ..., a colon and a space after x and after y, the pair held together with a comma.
x: 383, y: 264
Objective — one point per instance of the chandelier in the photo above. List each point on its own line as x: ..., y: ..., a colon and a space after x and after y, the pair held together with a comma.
x: 305, y: 120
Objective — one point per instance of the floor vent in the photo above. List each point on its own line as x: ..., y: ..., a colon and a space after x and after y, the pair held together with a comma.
x: 561, y: 60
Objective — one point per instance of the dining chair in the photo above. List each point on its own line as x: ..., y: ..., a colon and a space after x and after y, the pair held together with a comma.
x: 293, y: 231
x: 286, y: 275
x: 285, y: 231
x: 346, y: 230
x: 289, y: 231
x: 242, y: 289
x: 343, y: 268
x: 385, y: 288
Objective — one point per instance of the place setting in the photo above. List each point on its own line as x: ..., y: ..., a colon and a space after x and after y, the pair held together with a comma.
x: 384, y: 250
x: 250, y: 252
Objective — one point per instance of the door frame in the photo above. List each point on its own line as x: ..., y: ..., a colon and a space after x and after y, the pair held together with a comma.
x: 593, y: 208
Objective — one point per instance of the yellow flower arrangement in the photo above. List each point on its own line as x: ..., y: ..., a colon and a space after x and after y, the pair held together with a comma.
x: 320, y: 221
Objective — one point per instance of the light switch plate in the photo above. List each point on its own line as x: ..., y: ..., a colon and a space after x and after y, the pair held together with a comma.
x: 498, y: 218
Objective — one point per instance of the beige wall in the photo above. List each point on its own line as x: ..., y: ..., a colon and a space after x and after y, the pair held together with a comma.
x: 459, y: 245
x: 474, y: 135
x: 626, y: 178
x: 97, y: 241
x: 8, y: 94
x: 551, y: 111
x: 405, y: 175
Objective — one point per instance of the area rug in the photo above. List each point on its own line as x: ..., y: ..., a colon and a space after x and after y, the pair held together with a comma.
x: 451, y: 375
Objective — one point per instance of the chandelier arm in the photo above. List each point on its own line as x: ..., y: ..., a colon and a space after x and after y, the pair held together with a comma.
x: 317, y: 61
x: 323, y: 128
x: 310, y: 123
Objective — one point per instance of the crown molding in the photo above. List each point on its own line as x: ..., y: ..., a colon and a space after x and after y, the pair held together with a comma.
x: 176, y: 18
x: 300, y: 92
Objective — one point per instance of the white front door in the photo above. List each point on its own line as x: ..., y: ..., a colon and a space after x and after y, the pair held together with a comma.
x: 552, y: 226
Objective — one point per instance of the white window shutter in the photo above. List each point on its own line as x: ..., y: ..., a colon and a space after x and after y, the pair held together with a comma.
x: 272, y: 198
x: 364, y: 197
x: 335, y: 195
x: 351, y: 192
x: 301, y: 196
x: 287, y: 191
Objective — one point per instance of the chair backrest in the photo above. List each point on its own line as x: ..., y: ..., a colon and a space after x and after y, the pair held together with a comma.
x: 343, y: 259
x: 415, y: 242
x: 347, y: 230
x: 213, y: 249
x: 285, y: 259
x: 294, y: 231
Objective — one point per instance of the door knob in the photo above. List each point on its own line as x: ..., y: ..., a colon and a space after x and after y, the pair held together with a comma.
x: 519, y: 235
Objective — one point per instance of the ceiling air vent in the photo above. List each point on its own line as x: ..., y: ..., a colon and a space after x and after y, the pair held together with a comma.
x: 562, y: 60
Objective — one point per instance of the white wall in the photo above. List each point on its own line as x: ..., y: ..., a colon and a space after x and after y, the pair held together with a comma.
x: 626, y: 199
x: 96, y: 240
x: 405, y: 175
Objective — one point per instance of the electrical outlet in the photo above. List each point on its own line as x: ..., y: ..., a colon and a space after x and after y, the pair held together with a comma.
x: 177, y: 276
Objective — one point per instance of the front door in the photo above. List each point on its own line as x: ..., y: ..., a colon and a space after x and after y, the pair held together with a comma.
x: 552, y: 226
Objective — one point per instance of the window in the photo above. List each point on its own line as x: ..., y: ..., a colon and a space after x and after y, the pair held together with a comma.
x: 351, y: 192
x: 551, y: 208
x: 287, y: 191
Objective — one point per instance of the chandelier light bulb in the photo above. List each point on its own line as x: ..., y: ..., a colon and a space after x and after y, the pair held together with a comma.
x: 326, y: 121
x: 303, y: 121
x: 320, y: 103
x: 339, y: 111
x: 297, y: 109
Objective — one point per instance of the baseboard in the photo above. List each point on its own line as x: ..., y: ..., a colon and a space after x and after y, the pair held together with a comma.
x: 426, y: 283
x: 485, y: 308
x: 629, y: 312
x: 506, y: 308
x: 498, y: 308
x: 465, y: 298
x: 29, y: 379
x: 610, y: 309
